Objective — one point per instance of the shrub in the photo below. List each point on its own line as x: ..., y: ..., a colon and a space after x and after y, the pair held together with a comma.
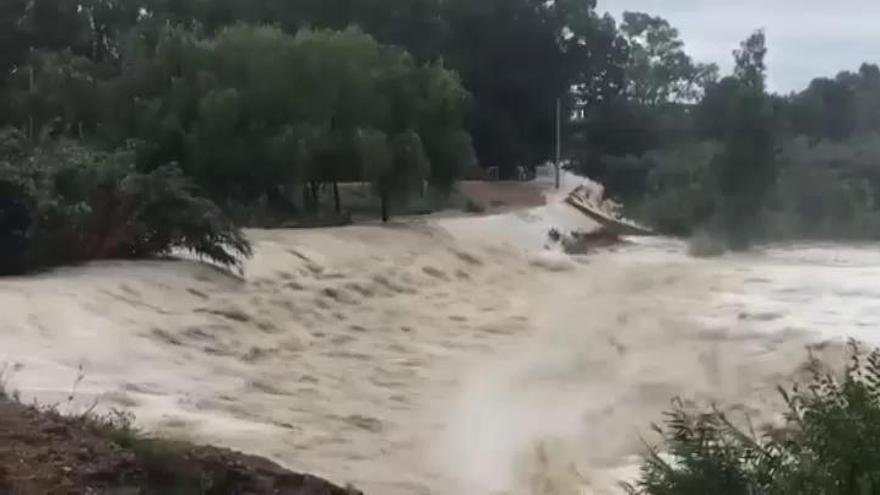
x: 85, y: 204
x: 680, y: 193
x: 829, y: 444
x: 824, y: 190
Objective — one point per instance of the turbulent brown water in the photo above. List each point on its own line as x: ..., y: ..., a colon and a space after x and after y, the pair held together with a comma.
x: 444, y: 357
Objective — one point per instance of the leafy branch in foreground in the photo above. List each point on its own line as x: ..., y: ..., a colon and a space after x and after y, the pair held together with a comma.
x: 829, y: 443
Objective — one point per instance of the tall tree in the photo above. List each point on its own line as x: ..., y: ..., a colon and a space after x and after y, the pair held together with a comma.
x: 659, y: 70
x: 825, y: 110
x: 377, y: 161
x: 746, y: 166
x: 750, y: 68
x: 517, y: 57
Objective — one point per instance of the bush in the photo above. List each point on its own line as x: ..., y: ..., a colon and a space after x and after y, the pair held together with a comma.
x: 828, y: 190
x: 681, y: 196
x: 84, y: 204
x: 824, y: 190
x: 829, y: 444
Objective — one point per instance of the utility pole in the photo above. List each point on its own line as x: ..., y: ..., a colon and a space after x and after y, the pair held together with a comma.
x: 558, y: 142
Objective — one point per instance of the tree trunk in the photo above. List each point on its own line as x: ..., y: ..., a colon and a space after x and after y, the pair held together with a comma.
x: 336, y: 200
x: 314, y: 199
x: 385, y: 213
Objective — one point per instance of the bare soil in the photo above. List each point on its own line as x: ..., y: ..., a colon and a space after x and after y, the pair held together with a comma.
x: 43, y: 452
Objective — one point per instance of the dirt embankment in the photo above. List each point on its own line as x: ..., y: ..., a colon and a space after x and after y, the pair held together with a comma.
x: 44, y: 452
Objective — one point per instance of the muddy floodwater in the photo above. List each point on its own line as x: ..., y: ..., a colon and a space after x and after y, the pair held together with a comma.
x: 438, y: 357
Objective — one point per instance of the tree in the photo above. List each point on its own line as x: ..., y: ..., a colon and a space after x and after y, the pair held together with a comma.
x: 377, y: 161
x: 743, y: 117
x: 58, y: 92
x: 650, y: 110
x: 608, y: 143
x: 448, y: 147
x: 254, y: 113
x: 825, y: 110
x: 517, y: 57
x: 659, y: 71
x: 89, y: 204
x: 750, y: 68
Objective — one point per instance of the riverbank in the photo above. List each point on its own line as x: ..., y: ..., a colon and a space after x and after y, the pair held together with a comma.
x: 43, y: 451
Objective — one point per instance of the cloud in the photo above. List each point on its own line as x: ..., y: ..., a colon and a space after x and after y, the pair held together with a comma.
x: 806, y: 38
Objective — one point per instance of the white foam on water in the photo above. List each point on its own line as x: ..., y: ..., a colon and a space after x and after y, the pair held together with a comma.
x: 444, y: 357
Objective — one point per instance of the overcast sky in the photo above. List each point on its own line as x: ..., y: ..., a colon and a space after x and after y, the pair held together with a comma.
x: 806, y: 38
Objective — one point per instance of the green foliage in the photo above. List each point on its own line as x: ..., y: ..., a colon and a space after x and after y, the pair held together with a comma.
x: 827, y: 189
x: 681, y: 189
x: 253, y: 112
x: 517, y: 57
x: 659, y: 71
x: 750, y: 68
x: 610, y: 142
x: 823, y: 190
x: 828, y: 444
x: 261, y: 103
x: 726, y: 189
x: 378, y: 162
x: 746, y: 165
x: 825, y: 110
x: 86, y: 204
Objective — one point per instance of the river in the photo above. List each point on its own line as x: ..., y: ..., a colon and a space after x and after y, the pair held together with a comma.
x: 437, y: 357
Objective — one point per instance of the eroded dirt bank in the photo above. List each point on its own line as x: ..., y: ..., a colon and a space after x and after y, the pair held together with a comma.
x: 44, y: 452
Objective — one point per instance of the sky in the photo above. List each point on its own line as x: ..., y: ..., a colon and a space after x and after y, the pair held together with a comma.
x: 805, y: 38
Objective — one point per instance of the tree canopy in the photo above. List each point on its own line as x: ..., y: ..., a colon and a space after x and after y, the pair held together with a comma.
x: 269, y: 102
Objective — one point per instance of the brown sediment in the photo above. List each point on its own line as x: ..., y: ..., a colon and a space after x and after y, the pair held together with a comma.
x: 42, y: 451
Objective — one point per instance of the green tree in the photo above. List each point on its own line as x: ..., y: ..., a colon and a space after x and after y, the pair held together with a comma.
x: 377, y: 161
x: 89, y: 204
x: 750, y: 68
x: 825, y: 110
x: 253, y: 112
x: 517, y: 57
x: 659, y: 71
x: 448, y: 147
x: 744, y: 118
